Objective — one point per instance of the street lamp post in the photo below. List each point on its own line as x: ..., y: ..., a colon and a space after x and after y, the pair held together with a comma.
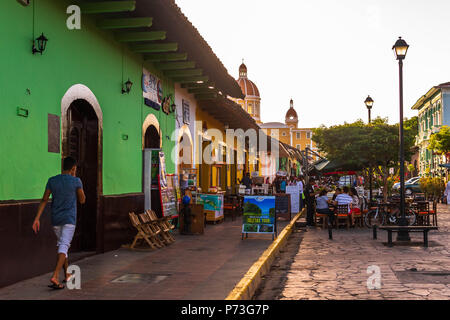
x: 369, y: 103
x: 400, y: 48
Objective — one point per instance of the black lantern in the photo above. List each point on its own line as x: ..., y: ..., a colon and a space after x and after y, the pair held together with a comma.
x: 400, y: 48
x: 127, y: 87
x: 368, y: 102
x: 41, y: 43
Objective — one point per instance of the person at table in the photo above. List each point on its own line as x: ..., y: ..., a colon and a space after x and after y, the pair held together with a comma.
x: 336, y: 193
x: 322, y: 206
x: 246, y: 181
x: 344, y: 199
x: 356, y: 204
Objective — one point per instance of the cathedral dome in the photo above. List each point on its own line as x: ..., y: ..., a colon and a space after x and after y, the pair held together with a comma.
x: 247, y: 86
x: 291, y: 115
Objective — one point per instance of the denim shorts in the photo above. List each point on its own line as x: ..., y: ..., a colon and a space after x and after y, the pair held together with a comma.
x: 64, y: 235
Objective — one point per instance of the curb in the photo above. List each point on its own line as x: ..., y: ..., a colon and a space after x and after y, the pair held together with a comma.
x: 246, y: 287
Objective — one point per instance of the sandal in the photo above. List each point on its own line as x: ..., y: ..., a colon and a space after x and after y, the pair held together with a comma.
x: 55, y: 285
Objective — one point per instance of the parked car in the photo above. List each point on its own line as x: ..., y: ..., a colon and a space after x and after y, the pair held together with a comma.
x: 411, y: 186
x: 346, y: 181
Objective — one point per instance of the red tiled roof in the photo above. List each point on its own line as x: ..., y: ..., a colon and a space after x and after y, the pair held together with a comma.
x: 248, y: 87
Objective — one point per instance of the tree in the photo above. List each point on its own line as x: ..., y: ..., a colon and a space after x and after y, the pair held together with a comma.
x: 440, y: 141
x: 360, y: 146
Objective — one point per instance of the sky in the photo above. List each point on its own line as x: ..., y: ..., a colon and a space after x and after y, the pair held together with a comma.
x: 328, y: 55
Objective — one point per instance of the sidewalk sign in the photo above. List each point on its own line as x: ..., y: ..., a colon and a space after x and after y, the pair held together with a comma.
x: 259, y: 215
x: 294, y: 191
x: 283, y: 205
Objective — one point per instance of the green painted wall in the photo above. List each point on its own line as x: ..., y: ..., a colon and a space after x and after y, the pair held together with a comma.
x: 88, y: 56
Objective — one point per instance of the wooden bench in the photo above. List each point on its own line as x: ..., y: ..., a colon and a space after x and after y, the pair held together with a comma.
x: 390, y: 229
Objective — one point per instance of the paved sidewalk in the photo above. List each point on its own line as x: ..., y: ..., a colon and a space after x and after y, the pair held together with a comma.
x: 199, y: 267
x: 337, y: 269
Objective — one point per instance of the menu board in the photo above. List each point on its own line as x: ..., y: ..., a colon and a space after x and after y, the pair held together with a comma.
x: 167, y: 190
x: 294, y: 191
x: 282, y: 204
x: 259, y: 215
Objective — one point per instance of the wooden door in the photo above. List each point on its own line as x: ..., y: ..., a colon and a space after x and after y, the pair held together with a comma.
x: 83, y: 146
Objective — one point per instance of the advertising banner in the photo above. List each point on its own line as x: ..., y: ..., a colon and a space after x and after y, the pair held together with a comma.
x: 168, y: 193
x: 259, y: 214
x: 152, y: 89
x: 212, y: 205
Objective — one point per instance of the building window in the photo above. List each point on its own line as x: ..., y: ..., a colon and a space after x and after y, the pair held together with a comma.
x: 308, y: 135
x: 298, y: 135
x: 298, y: 147
x: 283, y: 134
x: 250, y: 108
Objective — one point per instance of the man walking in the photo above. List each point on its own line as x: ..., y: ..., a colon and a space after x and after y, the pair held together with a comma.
x: 65, y: 189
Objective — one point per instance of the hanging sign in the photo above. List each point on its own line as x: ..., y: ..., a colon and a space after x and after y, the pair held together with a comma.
x: 152, y: 89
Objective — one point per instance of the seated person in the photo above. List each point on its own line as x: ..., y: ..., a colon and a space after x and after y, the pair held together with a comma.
x: 322, y: 205
x: 344, y: 199
x: 356, y: 204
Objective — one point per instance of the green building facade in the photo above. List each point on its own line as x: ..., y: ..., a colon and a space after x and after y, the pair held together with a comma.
x: 89, y: 66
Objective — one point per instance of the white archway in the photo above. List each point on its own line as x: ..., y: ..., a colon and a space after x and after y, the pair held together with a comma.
x: 151, y: 120
x: 80, y: 91
x: 75, y: 92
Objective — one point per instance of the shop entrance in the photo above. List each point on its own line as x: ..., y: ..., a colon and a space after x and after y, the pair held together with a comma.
x: 152, y: 140
x: 83, y: 145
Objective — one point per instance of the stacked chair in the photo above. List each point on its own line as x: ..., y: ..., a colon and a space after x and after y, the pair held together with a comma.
x: 154, y: 231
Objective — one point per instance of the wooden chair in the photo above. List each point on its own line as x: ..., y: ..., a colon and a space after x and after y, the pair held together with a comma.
x: 230, y: 207
x: 433, y: 213
x: 152, y: 229
x: 141, y: 233
x: 341, y: 214
x: 318, y: 217
x: 423, y: 213
x: 164, y: 225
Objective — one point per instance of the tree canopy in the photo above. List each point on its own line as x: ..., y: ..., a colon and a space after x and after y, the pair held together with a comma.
x: 440, y: 141
x: 360, y: 145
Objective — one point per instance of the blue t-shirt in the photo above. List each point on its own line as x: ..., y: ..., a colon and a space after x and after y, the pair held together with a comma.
x: 64, y: 198
x: 322, y: 202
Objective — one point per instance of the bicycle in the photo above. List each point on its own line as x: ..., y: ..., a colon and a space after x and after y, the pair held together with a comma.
x: 381, y: 216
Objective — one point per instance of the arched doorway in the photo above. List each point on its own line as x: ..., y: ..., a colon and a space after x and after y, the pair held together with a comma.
x: 83, y: 144
x: 82, y: 123
x: 151, y: 140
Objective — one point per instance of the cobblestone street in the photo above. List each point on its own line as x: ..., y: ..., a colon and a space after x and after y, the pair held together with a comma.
x: 337, y: 269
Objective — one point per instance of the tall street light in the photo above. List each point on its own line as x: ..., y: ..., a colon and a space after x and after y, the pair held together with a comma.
x: 400, y: 48
x: 369, y: 103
